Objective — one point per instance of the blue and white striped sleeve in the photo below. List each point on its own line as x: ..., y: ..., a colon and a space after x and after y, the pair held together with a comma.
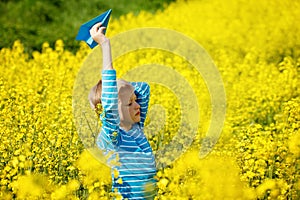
x: 142, y: 92
x: 109, y: 135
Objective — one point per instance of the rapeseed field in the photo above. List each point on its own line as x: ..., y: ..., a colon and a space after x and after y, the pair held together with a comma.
x: 256, y: 48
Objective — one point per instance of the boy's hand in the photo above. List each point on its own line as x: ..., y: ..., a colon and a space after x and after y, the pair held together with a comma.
x: 97, y: 33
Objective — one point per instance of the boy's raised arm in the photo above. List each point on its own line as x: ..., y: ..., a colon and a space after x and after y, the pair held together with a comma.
x: 109, y: 96
x: 97, y: 35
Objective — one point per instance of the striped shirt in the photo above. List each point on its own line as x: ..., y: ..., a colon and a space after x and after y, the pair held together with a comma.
x: 130, y: 149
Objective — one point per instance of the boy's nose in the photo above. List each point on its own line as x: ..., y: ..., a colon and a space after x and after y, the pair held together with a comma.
x: 137, y: 106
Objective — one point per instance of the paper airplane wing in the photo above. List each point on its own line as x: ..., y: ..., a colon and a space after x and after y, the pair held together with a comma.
x: 84, y: 31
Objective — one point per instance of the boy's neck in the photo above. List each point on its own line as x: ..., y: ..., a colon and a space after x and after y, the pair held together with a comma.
x: 126, y: 126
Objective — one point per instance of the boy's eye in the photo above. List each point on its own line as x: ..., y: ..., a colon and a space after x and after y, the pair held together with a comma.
x: 130, y: 104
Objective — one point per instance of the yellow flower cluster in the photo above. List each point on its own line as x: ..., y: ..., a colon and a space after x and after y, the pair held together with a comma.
x: 255, y: 45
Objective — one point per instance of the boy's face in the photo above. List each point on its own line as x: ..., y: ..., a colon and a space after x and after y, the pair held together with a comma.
x: 129, y: 109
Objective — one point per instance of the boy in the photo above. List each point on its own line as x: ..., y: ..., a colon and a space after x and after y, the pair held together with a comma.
x: 125, y: 107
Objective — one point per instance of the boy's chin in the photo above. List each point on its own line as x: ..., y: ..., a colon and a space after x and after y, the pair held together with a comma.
x: 137, y: 119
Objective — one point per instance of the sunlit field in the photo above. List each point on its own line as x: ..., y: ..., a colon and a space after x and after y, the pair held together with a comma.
x: 256, y: 47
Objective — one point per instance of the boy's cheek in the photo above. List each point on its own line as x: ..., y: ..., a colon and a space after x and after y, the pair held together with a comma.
x: 120, y: 112
x: 124, y: 113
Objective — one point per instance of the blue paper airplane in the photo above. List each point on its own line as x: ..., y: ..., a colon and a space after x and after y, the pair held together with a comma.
x: 84, y: 31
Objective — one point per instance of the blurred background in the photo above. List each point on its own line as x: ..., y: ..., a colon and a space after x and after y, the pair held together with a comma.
x: 34, y: 21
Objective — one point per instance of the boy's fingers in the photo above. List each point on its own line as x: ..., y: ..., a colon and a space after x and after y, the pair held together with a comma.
x: 95, y: 27
x: 101, y: 29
